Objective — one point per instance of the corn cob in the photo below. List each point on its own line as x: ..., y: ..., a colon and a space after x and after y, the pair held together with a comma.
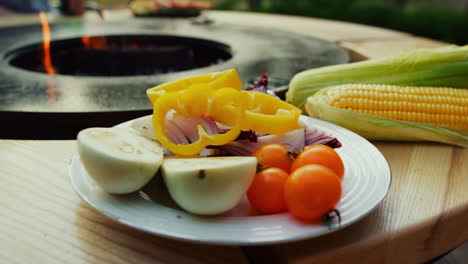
x: 388, y: 112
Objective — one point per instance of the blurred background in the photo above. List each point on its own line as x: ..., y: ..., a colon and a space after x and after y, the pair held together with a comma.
x: 445, y: 20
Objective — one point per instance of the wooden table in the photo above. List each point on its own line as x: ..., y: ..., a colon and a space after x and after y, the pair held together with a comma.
x: 424, y: 215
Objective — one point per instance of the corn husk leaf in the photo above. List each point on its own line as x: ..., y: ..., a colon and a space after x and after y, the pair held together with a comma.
x: 447, y: 66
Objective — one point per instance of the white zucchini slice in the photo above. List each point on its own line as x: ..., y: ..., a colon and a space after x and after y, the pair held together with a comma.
x: 119, y: 160
x: 208, y: 186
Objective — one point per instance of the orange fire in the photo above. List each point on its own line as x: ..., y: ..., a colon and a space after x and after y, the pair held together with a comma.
x: 46, y: 60
x: 51, y: 95
x: 95, y: 42
x: 134, y: 45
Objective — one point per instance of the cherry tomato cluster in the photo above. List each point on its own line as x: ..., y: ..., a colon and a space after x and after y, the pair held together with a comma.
x: 307, y: 184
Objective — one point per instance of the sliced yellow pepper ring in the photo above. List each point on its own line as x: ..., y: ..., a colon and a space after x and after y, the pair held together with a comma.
x: 209, y: 95
x: 267, y: 114
x: 228, y: 78
x: 197, y: 101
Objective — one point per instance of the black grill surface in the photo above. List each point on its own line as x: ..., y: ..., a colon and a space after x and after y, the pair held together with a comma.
x: 96, y: 91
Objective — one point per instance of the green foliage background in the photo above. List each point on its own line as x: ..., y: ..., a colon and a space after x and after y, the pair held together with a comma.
x: 428, y: 20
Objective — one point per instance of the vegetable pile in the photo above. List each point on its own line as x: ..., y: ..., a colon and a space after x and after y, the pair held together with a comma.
x: 308, y: 183
x: 214, y: 143
x: 221, y: 100
x: 210, y: 111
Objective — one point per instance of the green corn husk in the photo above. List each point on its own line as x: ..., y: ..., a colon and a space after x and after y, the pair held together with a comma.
x: 380, y: 128
x: 447, y: 66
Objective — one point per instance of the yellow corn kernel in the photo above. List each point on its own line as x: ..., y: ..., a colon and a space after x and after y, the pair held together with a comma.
x: 441, y: 106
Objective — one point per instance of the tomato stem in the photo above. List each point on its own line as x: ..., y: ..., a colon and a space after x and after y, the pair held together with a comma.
x: 292, y: 155
x: 260, y: 167
x: 329, y: 217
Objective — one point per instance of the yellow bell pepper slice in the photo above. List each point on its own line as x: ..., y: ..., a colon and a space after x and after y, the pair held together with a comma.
x: 197, y: 101
x: 267, y: 114
x: 218, y: 96
x: 228, y: 78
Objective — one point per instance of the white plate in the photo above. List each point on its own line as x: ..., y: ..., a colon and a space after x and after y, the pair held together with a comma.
x: 366, y: 182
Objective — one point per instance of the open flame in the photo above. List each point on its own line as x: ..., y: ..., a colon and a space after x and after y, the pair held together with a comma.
x: 46, y: 60
x: 95, y: 42
x: 103, y: 43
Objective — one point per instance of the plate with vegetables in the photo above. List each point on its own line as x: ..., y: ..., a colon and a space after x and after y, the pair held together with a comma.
x: 219, y: 165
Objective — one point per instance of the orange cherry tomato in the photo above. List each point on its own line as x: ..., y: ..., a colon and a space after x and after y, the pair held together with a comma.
x: 312, y: 191
x: 273, y: 156
x: 320, y: 154
x: 266, y: 193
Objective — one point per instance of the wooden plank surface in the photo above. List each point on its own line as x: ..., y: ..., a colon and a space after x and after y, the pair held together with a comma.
x: 44, y: 221
x: 423, y: 215
x: 373, y: 48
